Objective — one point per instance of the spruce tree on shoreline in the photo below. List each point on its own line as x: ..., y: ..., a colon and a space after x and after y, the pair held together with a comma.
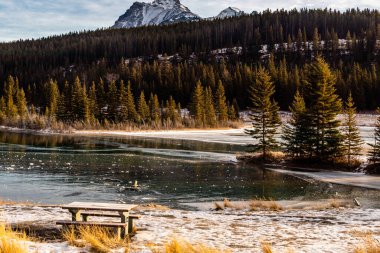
x: 296, y: 130
x: 324, y: 140
x: 352, y: 142
x: 374, y: 154
x: 264, y: 113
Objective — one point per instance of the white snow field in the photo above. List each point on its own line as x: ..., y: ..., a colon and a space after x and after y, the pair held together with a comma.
x: 319, y: 231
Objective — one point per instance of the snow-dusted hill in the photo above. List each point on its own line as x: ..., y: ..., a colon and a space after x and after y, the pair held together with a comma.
x: 161, y: 12
x: 156, y: 13
x: 230, y: 12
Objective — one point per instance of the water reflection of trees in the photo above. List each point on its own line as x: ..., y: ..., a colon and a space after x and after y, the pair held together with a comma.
x: 52, y: 141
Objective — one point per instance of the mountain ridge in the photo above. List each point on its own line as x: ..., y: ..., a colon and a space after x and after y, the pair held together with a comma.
x: 161, y: 12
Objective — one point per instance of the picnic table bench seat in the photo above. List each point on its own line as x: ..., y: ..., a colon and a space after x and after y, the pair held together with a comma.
x: 91, y: 223
x: 81, y: 211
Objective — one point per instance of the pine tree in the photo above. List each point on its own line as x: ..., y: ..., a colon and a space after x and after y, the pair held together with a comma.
x: 352, y: 142
x: 92, y: 103
x: 11, y: 109
x: 132, y: 114
x: 123, y: 111
x: 316, y: 40
x: 62, y: 109
x: 232, y: 113
x: 221, y: 104
x: 154, y: 107
x: 295, y: 132
x: 113, y: 101
x: 374, y: 154
x: 21, y: 104
x: 3, y: 109
x: 209, y: 108
x: 197, y: 105
x: 264, y: 113
x: 53, y: 98
x: 143, y: 108
x: 101, y: 100
x: 324, y: 105
x: 80, y: 109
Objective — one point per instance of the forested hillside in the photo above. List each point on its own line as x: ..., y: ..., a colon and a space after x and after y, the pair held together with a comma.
x: 169, y: 60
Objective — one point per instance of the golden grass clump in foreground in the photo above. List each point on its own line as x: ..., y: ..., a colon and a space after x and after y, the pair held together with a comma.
x: 182, y: 246
x: 99, y: 239
x: 370, y: 245
x: 271, y: 205
x: 12, y: 242
x: 267, y: 248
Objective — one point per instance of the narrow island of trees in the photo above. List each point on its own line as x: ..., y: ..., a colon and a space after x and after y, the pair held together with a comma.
x: 313, y: 134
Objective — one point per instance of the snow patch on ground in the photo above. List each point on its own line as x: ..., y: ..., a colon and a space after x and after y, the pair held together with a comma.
x: 240, y: 231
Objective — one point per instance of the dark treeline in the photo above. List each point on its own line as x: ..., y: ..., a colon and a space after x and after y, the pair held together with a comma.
x: 115, y: 107
x: 292, y: 37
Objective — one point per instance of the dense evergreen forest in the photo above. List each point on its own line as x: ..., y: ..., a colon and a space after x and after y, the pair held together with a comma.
x: 170, y: 60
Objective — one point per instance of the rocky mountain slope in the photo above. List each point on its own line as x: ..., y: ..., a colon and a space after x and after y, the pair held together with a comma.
x: 156, y: 13
x: 230, y: 12
x: 161, y: 12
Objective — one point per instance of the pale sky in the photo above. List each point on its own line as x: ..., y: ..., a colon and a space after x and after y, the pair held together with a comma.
x: 22, y: 19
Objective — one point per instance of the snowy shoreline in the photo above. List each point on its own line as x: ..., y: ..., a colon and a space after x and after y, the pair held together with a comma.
x: 235, y: 230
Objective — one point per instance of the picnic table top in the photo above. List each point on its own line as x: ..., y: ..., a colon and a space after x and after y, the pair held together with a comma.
x: 99, y: 206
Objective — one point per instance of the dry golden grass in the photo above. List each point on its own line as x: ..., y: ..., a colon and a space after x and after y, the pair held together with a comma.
x: 266, y: 247
x: 227, y: 203
x: 334, y: 203
x: 100, y: 239
x: 259, y: 205
x: 271, y: 157
x: 182, y: 246
x: 12, y: 242
x: 370, y: 245
x: 71, y: 237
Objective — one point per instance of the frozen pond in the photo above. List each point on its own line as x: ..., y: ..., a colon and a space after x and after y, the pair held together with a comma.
x: 54, y: 169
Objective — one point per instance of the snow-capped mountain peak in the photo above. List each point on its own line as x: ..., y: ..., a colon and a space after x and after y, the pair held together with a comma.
x: 230, y: 12
x: 166, y: 4
x: 156, y: 13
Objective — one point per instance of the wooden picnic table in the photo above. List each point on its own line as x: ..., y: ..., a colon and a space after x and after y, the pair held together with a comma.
x: 80, y: 211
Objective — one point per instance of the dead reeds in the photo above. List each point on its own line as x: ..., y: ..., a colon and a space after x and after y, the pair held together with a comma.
x: 12, y: 242
x: 99, y: 239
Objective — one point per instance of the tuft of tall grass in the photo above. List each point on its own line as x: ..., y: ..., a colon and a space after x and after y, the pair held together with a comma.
x: 370, y: 245
x: 257, y: 205
x: 12, y: 242
x: 266, y: 247
x: 99, y: 239
x: 182, y: 246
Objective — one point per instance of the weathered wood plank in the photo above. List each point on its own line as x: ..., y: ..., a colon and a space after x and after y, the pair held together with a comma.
x: 92, y: 223
x: 99, y: 206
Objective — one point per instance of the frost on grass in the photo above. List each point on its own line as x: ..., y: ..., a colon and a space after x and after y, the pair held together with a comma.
x: 326, y: 230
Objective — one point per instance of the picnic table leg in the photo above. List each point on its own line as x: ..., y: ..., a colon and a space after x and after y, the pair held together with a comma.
x: 76, y: 215
x: 124, y: 219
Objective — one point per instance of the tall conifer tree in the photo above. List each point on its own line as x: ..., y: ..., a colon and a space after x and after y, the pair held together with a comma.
x: 296, y: 130
x: 221, y: 104
x: 197, y: 105
x: 352, y: 142
x: 123, y: 111
x: 113, y: 101
x: 11, y: 109
x: 143, y: 108
x: 325, y: 139
x: 209, y: 108
x: 374, y: 154
x: 22, y: 108
x: 264, y: 113
x: 132, y: 114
